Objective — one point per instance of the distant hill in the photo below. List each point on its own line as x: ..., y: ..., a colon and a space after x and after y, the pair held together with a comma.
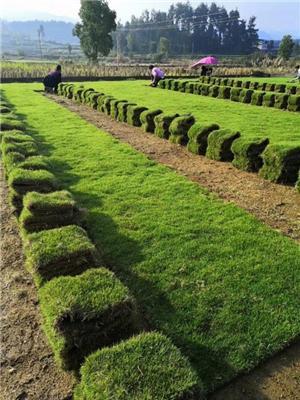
x: 55, y: 31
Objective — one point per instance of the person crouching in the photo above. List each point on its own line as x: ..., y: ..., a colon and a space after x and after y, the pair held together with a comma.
x: 52, y: 80
x: 156, y: 75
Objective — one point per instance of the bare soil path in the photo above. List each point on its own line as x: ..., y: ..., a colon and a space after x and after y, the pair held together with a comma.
x: 276, y: 205
x: 28, y: 369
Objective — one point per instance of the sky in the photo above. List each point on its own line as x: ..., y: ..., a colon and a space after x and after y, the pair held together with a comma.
x: 272, y: 15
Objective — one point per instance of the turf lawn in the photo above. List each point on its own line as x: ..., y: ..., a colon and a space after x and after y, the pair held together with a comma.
x: 252, y: 121
x: 220, y: 284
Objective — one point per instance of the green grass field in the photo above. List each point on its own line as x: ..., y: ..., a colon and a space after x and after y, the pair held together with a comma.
x: 220, y: 284
x: 279, y: 126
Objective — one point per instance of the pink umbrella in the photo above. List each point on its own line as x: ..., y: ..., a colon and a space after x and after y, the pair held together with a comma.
x: 210, y: 60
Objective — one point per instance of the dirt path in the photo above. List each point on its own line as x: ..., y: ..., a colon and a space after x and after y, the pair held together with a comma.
x: 28, y: 370
x: 276, y: 205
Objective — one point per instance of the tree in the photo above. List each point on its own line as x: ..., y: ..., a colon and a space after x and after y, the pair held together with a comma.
x: 94, y: 31
x: 286, y: 47
x: 164, y: 46
x: 41, y: 35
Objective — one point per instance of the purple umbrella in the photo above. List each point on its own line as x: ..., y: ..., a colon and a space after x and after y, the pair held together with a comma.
x: 210, y: 60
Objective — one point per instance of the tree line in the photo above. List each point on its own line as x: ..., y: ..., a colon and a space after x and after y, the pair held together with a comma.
x: 187, y: 30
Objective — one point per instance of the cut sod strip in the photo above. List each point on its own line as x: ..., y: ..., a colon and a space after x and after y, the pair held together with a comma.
x: 221, y: 285
x: 60, y: 251
x: 144, y: 367
x: 84, y: 313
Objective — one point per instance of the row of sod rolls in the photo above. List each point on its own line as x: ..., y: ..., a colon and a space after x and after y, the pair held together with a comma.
x: 273, y: 162
x: 282, y: 101
x: 85, y: 307
x: 290, y: 88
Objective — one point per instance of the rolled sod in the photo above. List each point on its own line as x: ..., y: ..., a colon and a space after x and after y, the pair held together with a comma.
x: 145, y: 367
x: 281, y: 101
x: 270, y: 87
x: 162, y: 124
x: 35, y: 162
x: 247, y: 153
x: 280, y: 88
x: 114, y: 107
x: 22, y: 181
x: 257, y: 97
x: 93, y: 99
x: 147, y: 120
x: 175, y: 85
x: 11, y: 160
x: 60, y: 251
x: 4, y: 110
x: 281, y: 164
x: 84, y: 313
x: 219, y: 144
x: 26, y: 148
x: 205, y: 89
x: 291, y: 89
x: 107, y: 104
x: 48, y: 211
x: 214, y: 91
x: 162, y: 84
x: 235, y: 93
x: 294, y: 103
x: 8, y: 124
x: 122, y: 111
x: 133, y: 115
x: 254, y: 85
x: 246, y: 84
x: 269, y: 99
x: 16, y: 137
x: 245, y: 96
x: 224, y: 92
x: 179, y: 128
x: 198, y: 135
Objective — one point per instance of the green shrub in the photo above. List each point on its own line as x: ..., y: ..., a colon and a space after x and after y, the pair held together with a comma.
x: 9, y: 124
x: 257, y: 98
x: 114, y: 107
x: 84, y: 313
x: 205, y: 89
x: 281, y: 164
x: 279, y: 87
x: 147, y: 120
x: 247, y: 153
x: 26, y: 148
x: 179, y: 128
x: 246, y: 95
x: 133, y: 115
x: 281, y: 101
x: 235, y: 93
x: 224, y: 92
x: 162, y: 124
x: 48, y: 211
x: 214, y: 91
x: 246, y: 84
x: 145, y: 367
x: 269, y: 99
x: 198, y: 135
x: 270, y: 87
x: 122, y: 111
x: 11, y: 160
x: 60, y: 251
x: 293, y: 103
x: 219, y: 144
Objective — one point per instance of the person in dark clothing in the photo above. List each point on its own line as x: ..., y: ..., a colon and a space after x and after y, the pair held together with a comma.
x: 52, y: 80
x: 203, y: 70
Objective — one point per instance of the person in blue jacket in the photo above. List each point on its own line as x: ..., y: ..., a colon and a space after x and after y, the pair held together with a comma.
x: 52, y: 80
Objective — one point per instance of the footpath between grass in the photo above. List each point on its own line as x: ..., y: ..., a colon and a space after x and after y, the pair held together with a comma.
x: 217, y: 282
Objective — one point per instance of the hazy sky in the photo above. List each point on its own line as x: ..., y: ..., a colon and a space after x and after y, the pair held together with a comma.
x: 275, y: 15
